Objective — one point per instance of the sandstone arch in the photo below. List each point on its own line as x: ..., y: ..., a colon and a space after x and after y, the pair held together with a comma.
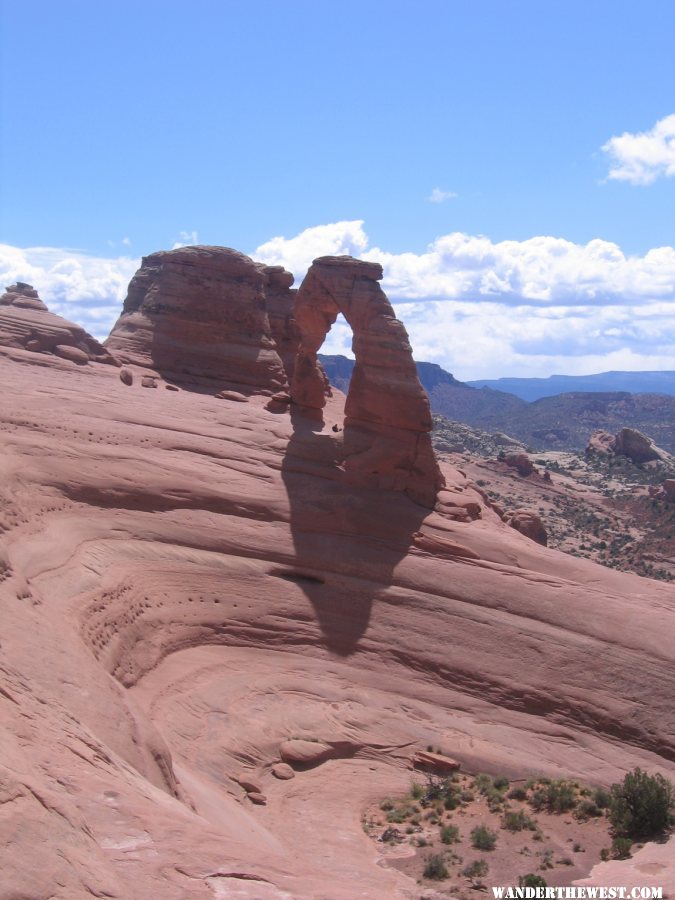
x: 386, y: 440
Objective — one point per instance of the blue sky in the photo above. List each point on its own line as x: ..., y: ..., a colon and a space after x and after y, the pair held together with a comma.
x: 130, y: 127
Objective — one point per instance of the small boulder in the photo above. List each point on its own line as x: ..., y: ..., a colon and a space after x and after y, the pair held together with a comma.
x: 171, y: 387
x: 126, y: 376
x: 73, y: 354
x: 250, y: 785
x: 303, y: 752
x: 521, y: 462
x: 282, y: 771
x: 527, y: 522
x: 434, y: 762
x: 235, y: 396
x: 149, y: 381
x: 257, y: 798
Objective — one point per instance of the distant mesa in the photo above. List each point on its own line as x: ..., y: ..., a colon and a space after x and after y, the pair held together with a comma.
x: 199, y: 315
x: 386, y: 438
x: 27, y: 324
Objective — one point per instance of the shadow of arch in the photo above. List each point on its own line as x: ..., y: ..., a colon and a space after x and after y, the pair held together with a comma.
x: 347, y: 540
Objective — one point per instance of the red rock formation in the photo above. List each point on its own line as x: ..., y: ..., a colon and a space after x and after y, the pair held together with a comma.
x: 601, y: 442
x: 199, y: 314
x: 280, y: 309
x: 434, y: 762
x: 27, y: 324
x: 527, y: 522
x: 386, y: 439
x: 669, y: 490
x: 155, y: 615
x: 521, y: 462
x: 637, y: 446
x: 628, y: 442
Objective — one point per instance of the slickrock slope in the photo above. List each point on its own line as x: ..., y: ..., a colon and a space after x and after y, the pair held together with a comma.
x: 199, y: 315
x: 27, y: 324
x: 187, y: 584
x: 386, y: 439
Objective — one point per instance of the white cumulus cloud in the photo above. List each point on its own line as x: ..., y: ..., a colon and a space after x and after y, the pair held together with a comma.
x: 643, y: 157
x: 439, y: 196
x: 297, y: 253
x: 479, y: 308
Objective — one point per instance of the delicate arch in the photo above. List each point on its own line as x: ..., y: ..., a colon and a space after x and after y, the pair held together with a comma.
x: 387, y: 415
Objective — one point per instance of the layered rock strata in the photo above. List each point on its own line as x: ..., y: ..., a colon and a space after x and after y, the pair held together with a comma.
x: 386, y: 439
x: 199, y: 315
x: 27, y: 324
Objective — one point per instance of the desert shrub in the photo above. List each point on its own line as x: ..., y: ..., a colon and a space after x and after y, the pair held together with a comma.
x: 390, y: 835
x: 452, y: 800
x: 621, y: 847
x: 602, y: 798
x: 640, y: 805
x: 494, y: 798
x: 416, y: 790
x: 517, y: 793
x: 435, y: 868
x: 501, y: 783
x: 477, y: 869
x: 532, y: 880
x: 604, y: 854
x: 387, y: 804
x: 518, y: 821
x: 483, y: 838
x: 587, y: 809
x: 400, y: 814
x: 554, y: 796
x: 482, y: 783
x: 449, y: 834
x: 547, y: 860
x: 560, y: 796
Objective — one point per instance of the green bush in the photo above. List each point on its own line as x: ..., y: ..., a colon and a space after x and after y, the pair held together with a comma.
x: 483, y: 838
x: 449, y: 834
x: 518, y: 821
x: 477, y: 869
x: 621, y: 847
x: 517, y: 793
x: 531, y: 880
x: 602, y: 798
x: 640, y: 805
x: 435, y: 868
x: 482, y: 783
x: 501, y: 783
x: 416, y: 790
x: 587, y: 809
x: 555, y: 796
x: 560, y: 796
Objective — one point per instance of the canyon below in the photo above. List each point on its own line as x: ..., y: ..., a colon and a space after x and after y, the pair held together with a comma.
x: 238, y: 604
